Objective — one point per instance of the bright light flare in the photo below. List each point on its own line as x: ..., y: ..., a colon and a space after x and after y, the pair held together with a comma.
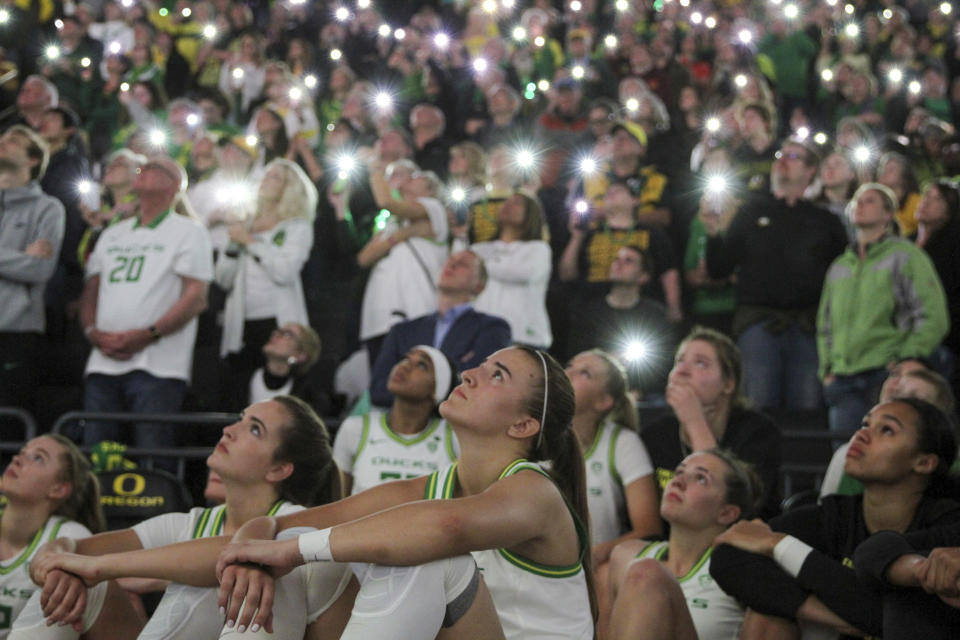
x: 52, y: 52
x: 124, y: 86
x: 192, y: 119
x: 577, y: 72
x: 342, y: 14
x: 209, y: 32
x: 946, y: 8
x: 489, y: 6
x: 576, y: 6
x: 581, y: 206
x: 383, y: 101
x: 310, y: 81
x: 458, y: 194
x: 157, y: 137
x: 363, y: 4
x: 4, y: 16
x: 712, y: 124
x: 519, y: 33
x: 346, y: 164
x: 588, y: 166
x: 384, y: 30
x: 820, y: 138
x: 480, y: 65
x: 895, y: 76
x: 696, y: 17
x: 441, y: 40
x: 632, y: 104
x: 740, y: 80
x: 852, y: 30
x: 251, y: 140
x: 914, y: 87
x: 862, y: 154
x: 543, y: 85
x: 186, y: 12
x: 791, y: 12
x: 622, y: 6
x: 114, y: 47
x: 716, y: 185
x: 710, y: 22
x: 336, y: 54
x: 826, y: 75
x: 295, y: 94
x: 85, y: 62
x: 610, y: 42
x: 745, y: 36
x: 636, y: 351
x: 238, y: 73
x: 802, y: 133
x: 84, y: 187
x: 539, y: 41
x: 399, y: 34
x: 849, y: 9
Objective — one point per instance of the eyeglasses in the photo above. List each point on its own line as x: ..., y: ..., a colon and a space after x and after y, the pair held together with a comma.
x: 789, y: 155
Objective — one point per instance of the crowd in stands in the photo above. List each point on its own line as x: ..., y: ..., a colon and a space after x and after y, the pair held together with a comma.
x: 403, y: 217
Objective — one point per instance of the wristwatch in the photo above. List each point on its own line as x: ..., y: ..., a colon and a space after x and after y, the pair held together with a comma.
x: 154, y: 333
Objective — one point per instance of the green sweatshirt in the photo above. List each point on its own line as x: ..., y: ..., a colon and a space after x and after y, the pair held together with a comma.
x: 888, y: 306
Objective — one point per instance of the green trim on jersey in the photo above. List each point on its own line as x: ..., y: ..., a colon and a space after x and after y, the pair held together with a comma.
x: 521, y: 464
x: 547, y: 571
x: 28, y: 551
x: 364, y: 434
x: 611, y: 449
x: 216, y: 527
x: 276, y: 507
x: 612, y: 457
x: 660, y: 554
x: 448, y: 442
x: 154, y: 224
x: 449, y: 484
x: 420, y: 437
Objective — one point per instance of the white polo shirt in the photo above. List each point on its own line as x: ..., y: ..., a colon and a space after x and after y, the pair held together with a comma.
x: 140, y: 269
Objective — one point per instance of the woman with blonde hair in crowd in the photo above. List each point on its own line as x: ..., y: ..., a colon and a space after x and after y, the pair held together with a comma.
x: 621, y: 489
x: 260, y: 269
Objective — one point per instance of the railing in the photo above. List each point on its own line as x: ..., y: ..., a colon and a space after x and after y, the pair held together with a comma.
x: 180, y: 454
x: 8, y: 444
x: 790, y: 469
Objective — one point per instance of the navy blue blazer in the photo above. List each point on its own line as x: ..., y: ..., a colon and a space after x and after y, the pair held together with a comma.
x: 471, y: 338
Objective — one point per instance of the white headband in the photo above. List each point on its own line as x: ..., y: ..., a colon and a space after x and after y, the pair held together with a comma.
x: 546, y: 386
x: 442, y: 373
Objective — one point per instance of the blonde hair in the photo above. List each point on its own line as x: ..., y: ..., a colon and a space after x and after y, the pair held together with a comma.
x: 299, y: 198
x: 623, y: 412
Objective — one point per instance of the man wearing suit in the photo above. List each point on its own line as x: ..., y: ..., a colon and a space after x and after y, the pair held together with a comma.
x: 466, y: 336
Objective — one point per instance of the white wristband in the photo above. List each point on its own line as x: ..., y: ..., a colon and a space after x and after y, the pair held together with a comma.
x: 315, y: 546
x: 790, y: 553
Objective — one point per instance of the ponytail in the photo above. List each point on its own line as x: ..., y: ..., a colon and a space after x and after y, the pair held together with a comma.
x: 305, y: 443
x: 552, y: 402
x: 623, y: 412
x: 83, y: 503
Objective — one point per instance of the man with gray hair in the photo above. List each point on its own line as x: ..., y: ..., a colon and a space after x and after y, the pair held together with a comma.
x: 430, y: 151
x: 31, y: 230
x: 36, y: 95
x: 146, y: 284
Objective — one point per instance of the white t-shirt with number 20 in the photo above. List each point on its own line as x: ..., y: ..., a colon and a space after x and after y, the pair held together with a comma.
x: 140, y: 269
